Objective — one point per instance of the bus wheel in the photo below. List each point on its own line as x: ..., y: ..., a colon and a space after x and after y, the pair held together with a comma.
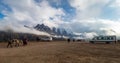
x: 107, y: 42
x: 92, y: 42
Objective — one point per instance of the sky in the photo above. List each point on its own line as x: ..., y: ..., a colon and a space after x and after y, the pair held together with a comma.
x: 90, y: 17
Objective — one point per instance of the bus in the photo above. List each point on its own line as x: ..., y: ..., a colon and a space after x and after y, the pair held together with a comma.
x: 106, y: 39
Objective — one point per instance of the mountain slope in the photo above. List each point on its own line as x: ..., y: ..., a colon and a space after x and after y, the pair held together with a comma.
x: 52, y: 31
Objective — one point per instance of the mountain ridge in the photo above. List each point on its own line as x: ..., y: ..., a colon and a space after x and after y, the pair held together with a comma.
x: 52, y: 31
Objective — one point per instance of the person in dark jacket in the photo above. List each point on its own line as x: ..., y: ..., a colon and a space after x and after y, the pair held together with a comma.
x: 25, y: 41
x: 9, y: 43
x: 73, y: 40
x: 68, y: 40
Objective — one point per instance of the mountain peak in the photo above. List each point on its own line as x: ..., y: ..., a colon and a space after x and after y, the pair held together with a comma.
x: 53, y: 31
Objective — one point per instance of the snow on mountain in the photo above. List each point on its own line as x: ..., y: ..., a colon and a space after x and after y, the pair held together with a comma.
x: 53, y: 31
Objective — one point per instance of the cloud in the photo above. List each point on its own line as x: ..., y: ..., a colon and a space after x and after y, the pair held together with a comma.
x: 86, y: 20
x: 32, y: 10
x: 116, y: 6
x: 88, y: 8
x: 116, y: 3
x: 29, y: 12
x: 94, y: 27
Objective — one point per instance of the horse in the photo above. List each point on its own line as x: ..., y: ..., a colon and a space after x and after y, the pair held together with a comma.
x: 14, y: 42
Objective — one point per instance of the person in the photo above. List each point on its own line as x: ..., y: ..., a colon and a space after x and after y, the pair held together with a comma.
x: 68, y: 40
x: 24, y: 41
x: 9, y: 43
x: 73, y: 40
x: 37, y: 39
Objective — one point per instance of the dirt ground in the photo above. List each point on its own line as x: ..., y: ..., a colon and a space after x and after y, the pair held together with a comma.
x: 60, y: 52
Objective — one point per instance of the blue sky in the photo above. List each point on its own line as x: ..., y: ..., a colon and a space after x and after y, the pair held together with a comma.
x: 1, y: 16
x: 80, y: 16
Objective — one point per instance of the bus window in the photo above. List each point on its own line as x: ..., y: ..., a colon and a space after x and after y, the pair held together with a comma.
x: 97, y: 38
x: 108, y: 38
x: 102, y: 38
x: 112, y: 38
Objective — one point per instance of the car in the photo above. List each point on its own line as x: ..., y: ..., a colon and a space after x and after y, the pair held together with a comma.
x: 46, y: 39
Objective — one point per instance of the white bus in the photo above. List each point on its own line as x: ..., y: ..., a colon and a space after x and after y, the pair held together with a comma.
x: 106, y: 39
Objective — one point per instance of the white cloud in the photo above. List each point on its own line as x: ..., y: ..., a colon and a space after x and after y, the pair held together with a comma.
x: 116, y: 3
x: 85, y: 4
x: 29, y: 12
x: 94, y: 27
x: 88, y: 8
x: 87, y: 18
x: 89, y: 35
x: 116, y: 6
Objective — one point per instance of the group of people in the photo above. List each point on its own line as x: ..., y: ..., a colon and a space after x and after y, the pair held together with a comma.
x: 68, y: 40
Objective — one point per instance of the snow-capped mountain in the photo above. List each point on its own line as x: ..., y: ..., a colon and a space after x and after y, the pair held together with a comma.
x: 57, y: 32
x: 52, y: 31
